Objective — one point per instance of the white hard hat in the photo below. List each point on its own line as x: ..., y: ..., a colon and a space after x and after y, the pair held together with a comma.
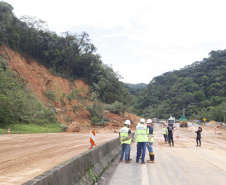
x: 149, y: 121
x: 142, y: 120
x: 127, y: 122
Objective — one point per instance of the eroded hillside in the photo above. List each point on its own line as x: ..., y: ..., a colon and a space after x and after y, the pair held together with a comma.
x: 44, y: 84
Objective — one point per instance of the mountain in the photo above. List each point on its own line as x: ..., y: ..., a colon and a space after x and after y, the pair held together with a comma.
x: 200, y: 88
x: 136, y: 86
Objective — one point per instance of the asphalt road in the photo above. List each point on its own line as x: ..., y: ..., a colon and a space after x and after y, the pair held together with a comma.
x: 183, y: 164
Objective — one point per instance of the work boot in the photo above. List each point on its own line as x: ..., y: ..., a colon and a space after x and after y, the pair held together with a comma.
x: 152, y: 156
x: 127, y: 161
x: 149, y: 161
x: 143, y: 163
x: 121, y: 160
x: 130, y: 159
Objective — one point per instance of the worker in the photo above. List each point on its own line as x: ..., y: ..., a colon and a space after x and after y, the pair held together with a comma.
x: 165, y: 132
x: 198, y: 138
x: 170, y: 129
x: 151, y: 140
x: 141, y: 137
x: 125, y: 139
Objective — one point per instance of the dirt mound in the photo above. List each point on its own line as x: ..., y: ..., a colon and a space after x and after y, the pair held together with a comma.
x: 74, y: 127
x: 116, y: 121
x: 212, y: 122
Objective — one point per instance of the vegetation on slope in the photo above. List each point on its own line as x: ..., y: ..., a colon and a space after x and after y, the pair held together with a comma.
x: 19, y: 105
x: 200, y: 88
x: 72, y: 56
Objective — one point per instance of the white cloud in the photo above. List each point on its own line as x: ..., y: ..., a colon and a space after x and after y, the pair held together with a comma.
x: 141, y: 39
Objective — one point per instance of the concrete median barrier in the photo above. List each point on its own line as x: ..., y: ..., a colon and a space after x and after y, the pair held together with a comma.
x: 85, y: 168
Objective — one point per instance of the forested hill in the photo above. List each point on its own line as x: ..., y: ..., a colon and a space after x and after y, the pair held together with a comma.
x: 200, y: 88
x: 136, y: 86
x: 72, y: 56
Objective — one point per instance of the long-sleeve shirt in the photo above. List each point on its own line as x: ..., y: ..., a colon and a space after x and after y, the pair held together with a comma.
x: 199, y: 132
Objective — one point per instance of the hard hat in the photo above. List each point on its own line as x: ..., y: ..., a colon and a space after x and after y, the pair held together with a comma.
x: 142, y: 120
x: 127, y: 122
x: 149, y: 121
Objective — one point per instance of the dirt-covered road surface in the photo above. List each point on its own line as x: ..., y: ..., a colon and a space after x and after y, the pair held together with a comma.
x: 23, y: 157
x: 183, y: 164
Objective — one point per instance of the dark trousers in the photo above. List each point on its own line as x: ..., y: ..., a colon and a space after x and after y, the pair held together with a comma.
x: 165, y: 137
x: 170, y: 138
x: 198, y: 140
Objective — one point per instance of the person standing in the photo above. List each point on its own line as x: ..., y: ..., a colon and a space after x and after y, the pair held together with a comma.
x: 170, y: 129
x: 141, y: 137
x: 151, y: 140
x: 125, y: 139
x: 198, y: 138
x: 164, y: 131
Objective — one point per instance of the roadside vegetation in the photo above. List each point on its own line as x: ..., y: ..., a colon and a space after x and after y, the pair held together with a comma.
x: 19, y: 106
x: 71, y: 56
x: 200, y: 88
x: 24, y: 128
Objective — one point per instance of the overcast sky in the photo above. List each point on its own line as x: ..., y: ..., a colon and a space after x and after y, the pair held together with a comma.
x: 140, y: 38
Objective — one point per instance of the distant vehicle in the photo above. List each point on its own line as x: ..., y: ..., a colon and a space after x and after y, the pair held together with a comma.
x: 155, y: 120
x: 171, y: 121
x: 183, y: 121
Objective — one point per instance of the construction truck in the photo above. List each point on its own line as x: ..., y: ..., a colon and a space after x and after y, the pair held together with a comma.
x: 183, y: 121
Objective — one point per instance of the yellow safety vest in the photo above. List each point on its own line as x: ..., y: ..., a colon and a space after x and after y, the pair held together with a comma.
x: 153, y: 136
x: 142, y: 133
x: 164, y: 130
x: 124, y: 133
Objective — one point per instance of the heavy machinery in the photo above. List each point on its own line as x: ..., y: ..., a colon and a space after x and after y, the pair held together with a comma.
x: 183, y: 121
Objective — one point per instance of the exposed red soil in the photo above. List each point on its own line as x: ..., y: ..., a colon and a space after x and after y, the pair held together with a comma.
x: 40, y: 80
x: 23, y: 157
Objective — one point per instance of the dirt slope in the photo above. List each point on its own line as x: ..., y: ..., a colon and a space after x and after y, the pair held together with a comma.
x: 40, y: 80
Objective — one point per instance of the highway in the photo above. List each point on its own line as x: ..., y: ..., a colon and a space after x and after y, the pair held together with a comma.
x: 183, y: 164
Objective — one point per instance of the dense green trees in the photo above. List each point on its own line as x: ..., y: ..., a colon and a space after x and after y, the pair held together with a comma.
x: 19, y: 105
x: 200, y: 88
x: 71, y: 56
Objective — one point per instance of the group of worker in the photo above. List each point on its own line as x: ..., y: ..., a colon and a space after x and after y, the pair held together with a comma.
x: 168, y: 131
x: 144, y: 137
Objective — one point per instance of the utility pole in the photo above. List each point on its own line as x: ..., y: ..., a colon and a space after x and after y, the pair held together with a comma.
x: 158, y: 112
x: 158, y: 109
x: 183, y: 111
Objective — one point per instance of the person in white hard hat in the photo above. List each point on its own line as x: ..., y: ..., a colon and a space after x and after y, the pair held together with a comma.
x: 150, y: 125
x: 125, y: 139
x: 141, y: 136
